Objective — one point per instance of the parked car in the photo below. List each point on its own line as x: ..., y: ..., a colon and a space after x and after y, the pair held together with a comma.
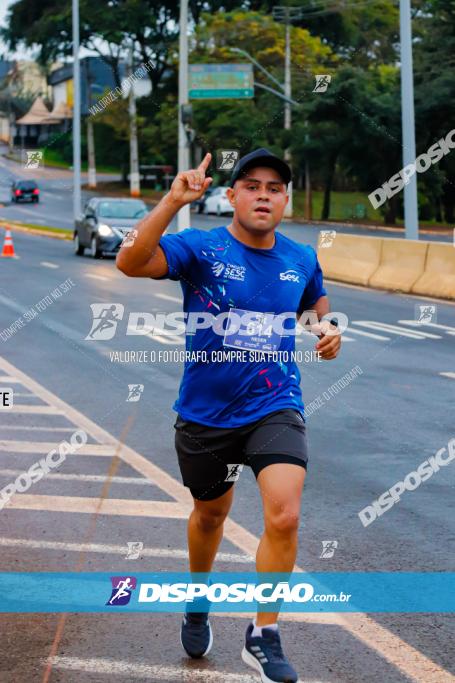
x: 198, y: 204
x: 24, y: 189
x: 218, y: 202
x: 104, y: 224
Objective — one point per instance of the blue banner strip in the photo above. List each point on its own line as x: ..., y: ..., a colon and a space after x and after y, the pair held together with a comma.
x: 400, y: 592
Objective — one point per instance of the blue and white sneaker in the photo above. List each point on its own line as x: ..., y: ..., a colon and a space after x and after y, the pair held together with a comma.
x: 266, y: 656
x: 196, y: 634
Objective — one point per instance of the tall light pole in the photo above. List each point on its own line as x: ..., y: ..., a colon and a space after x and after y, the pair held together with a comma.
x: 411, y: 221
x: 183, y: 216
x: 76, y: 114
x: 134, y: 154
x: 286, y: 15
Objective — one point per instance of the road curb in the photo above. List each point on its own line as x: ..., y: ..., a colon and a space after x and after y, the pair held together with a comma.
x: 36, y: 231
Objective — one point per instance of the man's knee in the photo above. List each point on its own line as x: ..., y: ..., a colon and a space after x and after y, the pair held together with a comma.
x: 284, y: 521
x: 208, y: 520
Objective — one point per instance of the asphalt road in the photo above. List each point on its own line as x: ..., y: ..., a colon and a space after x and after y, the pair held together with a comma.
x: 397, y: 413
x: 56, y: 205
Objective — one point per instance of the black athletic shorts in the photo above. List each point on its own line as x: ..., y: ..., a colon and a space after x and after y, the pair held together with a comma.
x: 209, y: 456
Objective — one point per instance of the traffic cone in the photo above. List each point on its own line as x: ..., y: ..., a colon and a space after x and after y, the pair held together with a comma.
x: 8, y: 246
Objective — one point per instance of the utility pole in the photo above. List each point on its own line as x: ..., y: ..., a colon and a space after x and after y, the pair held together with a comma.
x: 76, y: 115
x: 91, y: 153
x: 411, y: 220
x: 183, y: 216
x: 135, y: 190
x: 286, y: 15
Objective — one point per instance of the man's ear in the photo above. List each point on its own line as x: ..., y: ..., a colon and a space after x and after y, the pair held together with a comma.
x: 230, y: 194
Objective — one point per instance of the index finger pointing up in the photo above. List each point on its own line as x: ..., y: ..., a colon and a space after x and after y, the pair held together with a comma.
x: 203, y: 166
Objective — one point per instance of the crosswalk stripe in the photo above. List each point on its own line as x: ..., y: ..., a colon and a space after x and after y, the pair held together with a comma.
x: 367, y: 334
x: 168, y: 297
x: 82, y: 477
x: 113, y: 549
x: 451, y: 375
x: 36, y: 410
x: 46, y: 446
x: 11, y: 380
x: 128, y: 670
x: 108, y: 506
x: 395, y: 329
x: 167, y: 340
x: 437, y: 326
x: 30, y: 428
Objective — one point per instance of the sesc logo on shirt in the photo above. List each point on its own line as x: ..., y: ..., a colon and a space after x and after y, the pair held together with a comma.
x: 229, y: 271
x: 290, y: 275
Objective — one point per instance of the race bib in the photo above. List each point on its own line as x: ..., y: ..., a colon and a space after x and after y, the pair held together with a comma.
x: 251, y: 330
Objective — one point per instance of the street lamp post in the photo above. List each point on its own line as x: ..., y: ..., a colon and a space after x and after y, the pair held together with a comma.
x: 286, y: 14
x: 183, y: 216
x: 76, y: 114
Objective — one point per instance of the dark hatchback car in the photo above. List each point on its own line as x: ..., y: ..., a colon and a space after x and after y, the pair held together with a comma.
x: 104, y: 224
x: 24, y: 190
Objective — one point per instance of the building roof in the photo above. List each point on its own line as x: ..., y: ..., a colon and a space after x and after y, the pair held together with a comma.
x: 61, y: 111
x: 38, y: 114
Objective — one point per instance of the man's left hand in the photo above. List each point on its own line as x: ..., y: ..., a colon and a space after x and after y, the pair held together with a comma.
x: 330, y: 339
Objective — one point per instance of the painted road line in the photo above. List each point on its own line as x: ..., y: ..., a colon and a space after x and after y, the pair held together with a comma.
x: 46, y: 446
x: 48, y: 264
x: 11, y: 380
x: 450, y: 375
x: 40, y: 429
x: 113, y: 549
x: 24, y: 395
x: 108, y: 506
x: 390, y: 647
x: 168, y: 297
x: 166, y: 340
x: 82, y: 477
x: 436, y: 326
x: 394, y: 329
x: 95, y: 277
x: 36, y: 410
x: 153, y: 672
x: 351, y: 330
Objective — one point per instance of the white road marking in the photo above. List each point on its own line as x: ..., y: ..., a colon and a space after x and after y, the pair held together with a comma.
x: 395, y: 329
x: 367, y: 334
x: 437, y: 326
x: 168, y: 297
x: 113, y: 549
x: 36, y: 410
x: 46, y: 446
x: 96, y: 277
x: 108, y: 506
x: 167, y: 340
x: 27, y: 428
x: 48, y: 264
x: 387, y: 645
x: 451, y: 375
x: 11, y: 380
x: 23, y: 395
x: 82, y: 477
x: 154, y: 672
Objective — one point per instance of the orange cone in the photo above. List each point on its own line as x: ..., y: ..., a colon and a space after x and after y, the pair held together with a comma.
x: 8, y: 246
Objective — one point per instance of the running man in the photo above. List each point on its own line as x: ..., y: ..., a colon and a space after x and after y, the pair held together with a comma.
x: 231, y: 413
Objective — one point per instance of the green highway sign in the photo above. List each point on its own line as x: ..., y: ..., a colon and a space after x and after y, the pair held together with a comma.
x: 220, y: 81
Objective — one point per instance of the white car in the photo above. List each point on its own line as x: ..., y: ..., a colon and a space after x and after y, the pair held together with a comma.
x: 218, y: 202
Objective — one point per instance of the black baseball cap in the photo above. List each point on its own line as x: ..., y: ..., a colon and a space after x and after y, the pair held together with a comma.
x: 261, y: 157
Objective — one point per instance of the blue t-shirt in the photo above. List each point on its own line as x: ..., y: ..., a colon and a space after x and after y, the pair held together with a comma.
x: 221, y: 275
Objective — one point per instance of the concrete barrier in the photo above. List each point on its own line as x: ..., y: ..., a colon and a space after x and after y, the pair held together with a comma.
x: 402, y: 263
x: 350, y: 258
x: 438, y: 278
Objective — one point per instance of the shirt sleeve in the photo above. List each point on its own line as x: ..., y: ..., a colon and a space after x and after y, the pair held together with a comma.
x: 180, y: 250
x: 314, y: 289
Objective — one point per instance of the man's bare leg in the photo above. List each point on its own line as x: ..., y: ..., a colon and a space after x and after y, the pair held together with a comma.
x: 281, y: 486
x: 205, y: 530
